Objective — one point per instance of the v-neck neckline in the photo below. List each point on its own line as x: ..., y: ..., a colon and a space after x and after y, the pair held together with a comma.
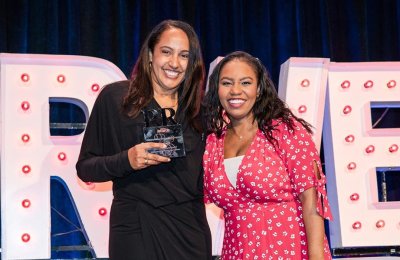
x: 245, y: 156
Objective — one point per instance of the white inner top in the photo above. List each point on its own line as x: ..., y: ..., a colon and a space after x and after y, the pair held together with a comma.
x: 232, y: 167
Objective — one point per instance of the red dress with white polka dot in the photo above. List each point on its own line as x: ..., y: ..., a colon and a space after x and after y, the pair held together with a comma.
x: 263, y: 213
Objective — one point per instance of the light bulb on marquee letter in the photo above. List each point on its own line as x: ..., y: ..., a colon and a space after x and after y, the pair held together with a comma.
x: 61, y: 78
x: 26, y: 203
x: 25, y: 138
x: 345, y: 84
x: 305, y: 83
x: 351, y: 166
x: 393, y: 148
x: 25, y: 77
x: 357, y: 225
x: 102, y: 211
x: 391, y: 84
x: 62, y: 156
x: 380, y: 223
x: 26, y: 169
x: 302, y: 109
x: 354, y: 197
x: 95, y: 87
x: 25, y: 237
x: 90, y: 185
x: 25, y: 105
x: 347, y: 110
x: 368, y: 84
x: 370, y: 149
x: 349, y: 138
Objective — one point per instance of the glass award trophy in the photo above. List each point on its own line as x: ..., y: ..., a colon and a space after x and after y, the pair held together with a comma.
x: 162, y: 128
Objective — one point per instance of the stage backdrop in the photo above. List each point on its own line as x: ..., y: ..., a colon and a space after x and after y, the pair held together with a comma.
x: 272, y: 30
x: 39, y: 186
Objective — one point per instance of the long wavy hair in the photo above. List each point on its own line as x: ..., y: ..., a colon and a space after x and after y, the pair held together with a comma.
x: 190, y: 91
x: 268, y: 105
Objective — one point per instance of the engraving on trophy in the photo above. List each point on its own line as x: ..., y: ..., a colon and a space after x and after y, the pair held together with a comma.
x: 161, y: 127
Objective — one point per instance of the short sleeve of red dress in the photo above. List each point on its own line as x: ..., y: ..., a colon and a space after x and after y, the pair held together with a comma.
x: 299, y: 153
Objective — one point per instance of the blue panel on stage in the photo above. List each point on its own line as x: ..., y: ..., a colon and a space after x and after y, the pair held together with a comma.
x: 68, y: 237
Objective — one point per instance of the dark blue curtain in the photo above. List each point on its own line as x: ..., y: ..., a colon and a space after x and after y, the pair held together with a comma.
x: 275, y: 30
x: 342, y: 30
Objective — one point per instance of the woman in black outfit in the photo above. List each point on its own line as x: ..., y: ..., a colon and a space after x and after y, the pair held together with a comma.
x: 158, y: 210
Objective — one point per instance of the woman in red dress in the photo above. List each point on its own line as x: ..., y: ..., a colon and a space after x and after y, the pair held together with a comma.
x: 262, y: 167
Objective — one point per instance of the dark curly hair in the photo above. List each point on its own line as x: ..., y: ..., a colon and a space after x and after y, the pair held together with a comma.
x: 190, y: 92
x: 268, y: 105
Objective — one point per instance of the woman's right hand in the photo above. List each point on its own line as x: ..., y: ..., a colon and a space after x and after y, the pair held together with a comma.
x: 140, y: 158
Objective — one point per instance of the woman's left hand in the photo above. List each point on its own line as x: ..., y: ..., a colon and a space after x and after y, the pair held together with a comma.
x: 140, y: 158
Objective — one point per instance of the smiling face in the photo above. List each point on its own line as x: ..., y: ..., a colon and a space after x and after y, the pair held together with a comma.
x: 237, y: 90
x: 169, y: 59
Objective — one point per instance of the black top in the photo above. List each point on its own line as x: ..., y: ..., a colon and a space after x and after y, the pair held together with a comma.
x: 175, y: 185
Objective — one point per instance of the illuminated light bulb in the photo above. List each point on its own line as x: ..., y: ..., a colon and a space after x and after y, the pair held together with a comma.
x: 25, y: 237
x: 102, y: 212
x: 302, y: 109
x: 95, y: 87
x: 25, y: 105
x: 357, y: 225
x: 393, y: 148
x: 90, y: 185
x: 61, y: 78
x: 26, y: 169
x: 370, y: 149
x: 26, y: 203
x: 391, y: 84
x: 354, y: 197
x: 368, y: 84
x: 305, y: 83
x: 380, y: 223
x: 352, y: 166
x: 62, y: 156
x: 25, y: 138
x: 25, y: 77
x: 349, y: 138
x: 345, y: 84
x: 347, y: 110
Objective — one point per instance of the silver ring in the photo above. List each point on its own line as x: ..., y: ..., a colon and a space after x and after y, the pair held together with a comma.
x: 146, y: 161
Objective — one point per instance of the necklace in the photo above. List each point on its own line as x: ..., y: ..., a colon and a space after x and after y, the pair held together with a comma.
x: 241, y: 136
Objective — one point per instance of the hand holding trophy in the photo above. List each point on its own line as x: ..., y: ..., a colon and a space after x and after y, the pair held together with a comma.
x: 161, y: 128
